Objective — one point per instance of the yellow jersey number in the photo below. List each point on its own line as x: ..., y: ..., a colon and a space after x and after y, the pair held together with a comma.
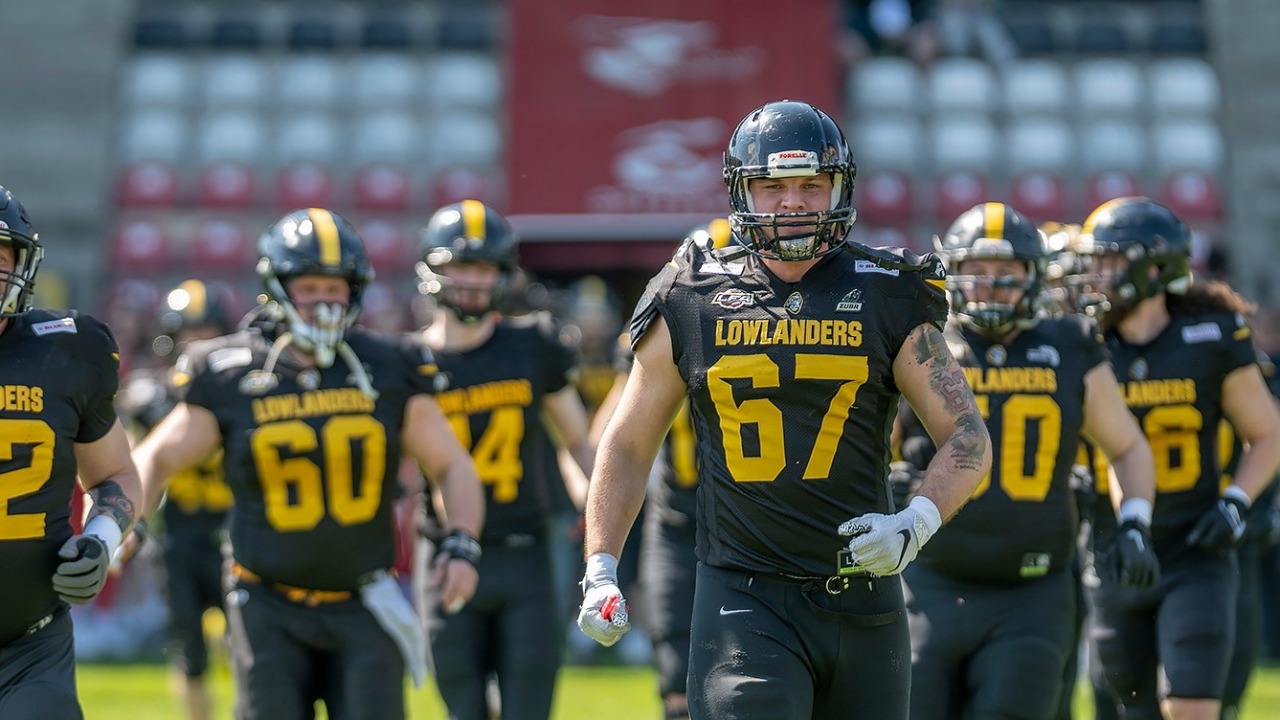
x: 1015, y: 414
x: 298, y: 493
x: 1173, y: 432
x: 14, y: 484
x: 497, y: 453
x: 848, y: 370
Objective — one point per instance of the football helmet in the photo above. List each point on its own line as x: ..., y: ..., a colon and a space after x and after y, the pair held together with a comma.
x: 314, y: 241
x: 466, y: 232
x: 17, y: 231
x: 1152, y: 245
x: 191, y: 304
x: 789, y: 139
x: 993, y: 231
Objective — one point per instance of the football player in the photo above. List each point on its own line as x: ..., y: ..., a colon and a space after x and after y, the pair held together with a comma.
x: 312, y: 414
x: 193, y: 521
x: 992, y: 602
x: 792, y: 349
x: 505, y: 376
x: 1183, y: 356
x: 59, y: 370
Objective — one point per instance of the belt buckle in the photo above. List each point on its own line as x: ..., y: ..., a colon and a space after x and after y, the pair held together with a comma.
x: 836, y: 584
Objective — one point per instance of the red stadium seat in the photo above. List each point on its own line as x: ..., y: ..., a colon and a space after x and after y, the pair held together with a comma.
x: 221, y: 244
x: 141, y: 246
x: 886, y: 197
x: 226, y: 184
x: 1108, y: 185
x: 304, y: 184
x: 1192, y: 194
x: 385, y: 243
x: 148, y: 184
x: 1040, y: 195
x: 956, y: 192
x: 382, y: 187
x: 461, y: 182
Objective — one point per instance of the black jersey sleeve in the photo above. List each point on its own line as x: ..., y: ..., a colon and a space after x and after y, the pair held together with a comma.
x: 654, y: 302
x: 94, y: 344
x: 424, y: 375
x: 1240, y: 350
x: 559, y: 355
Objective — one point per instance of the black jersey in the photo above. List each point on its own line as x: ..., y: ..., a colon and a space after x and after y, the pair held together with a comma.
x: 198, y: 497
x: 58, y: 376
x: 1173, y: 385
x: 312, y: 461
x: 792, y: 395
x: 494, y: 403
x: 1021, y: 521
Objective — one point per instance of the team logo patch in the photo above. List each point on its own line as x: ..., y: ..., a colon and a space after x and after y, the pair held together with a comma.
x: 734, y: 299
x: 65, y: 325
x: 1139, y: 369
x: 851, y: 302
x: 1046, y: 354
x: 866, y: 266
x: 997, y: 356
x: 1204, y: 332
x: 258, y: 382
x: 794, y: 303
x: 309, y: 379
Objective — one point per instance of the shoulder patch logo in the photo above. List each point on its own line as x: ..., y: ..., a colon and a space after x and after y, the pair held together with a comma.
x: 851, y: 302
x: 866, y: 266
x: 65, y: 325
x: 1046, y: 354
x: 1203, y: 332
x: 734, y: 299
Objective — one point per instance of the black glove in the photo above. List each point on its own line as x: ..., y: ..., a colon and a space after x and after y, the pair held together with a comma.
x: 1222, y: 526
x: 1134, y: 556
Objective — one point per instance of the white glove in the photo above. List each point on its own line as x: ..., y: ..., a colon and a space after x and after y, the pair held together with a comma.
x: 86, y: 560
x: 885, y: 544
x: 603, y: 616
x: 382, y: 596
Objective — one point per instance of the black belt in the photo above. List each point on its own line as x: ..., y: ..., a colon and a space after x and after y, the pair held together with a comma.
x: 833, y: 585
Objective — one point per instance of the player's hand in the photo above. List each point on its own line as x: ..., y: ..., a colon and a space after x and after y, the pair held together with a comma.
x: 1222, y: 526
x: 456, y: 570
x: 83, y: 570
x: 886, y: 544
x: 1134, y: 556
x: 604, y: 614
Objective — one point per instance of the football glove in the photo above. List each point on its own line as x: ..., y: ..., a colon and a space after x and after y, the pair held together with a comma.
x: 1134, y: 556
x: 603, y: 616
x: 83, y: 570
x: 886, y: 544
x: 1223, y: 525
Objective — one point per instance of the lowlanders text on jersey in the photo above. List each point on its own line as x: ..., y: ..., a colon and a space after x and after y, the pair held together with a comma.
x: 832, y: 333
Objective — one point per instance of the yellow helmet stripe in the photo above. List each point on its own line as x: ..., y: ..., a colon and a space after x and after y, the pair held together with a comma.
x: 1092, y: 220
x: 197, y: 297
x: 326, y: 230
x: 993, y: 216
x: 472, y: 219
x: 720, y: 232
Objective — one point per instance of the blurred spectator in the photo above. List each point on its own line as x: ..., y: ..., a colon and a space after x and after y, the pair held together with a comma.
x: 885, y: 27
x: 972, y: 28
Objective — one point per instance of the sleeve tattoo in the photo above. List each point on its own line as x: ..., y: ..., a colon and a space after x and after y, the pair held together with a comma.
x: 109, y: 499
x: 969, y: 440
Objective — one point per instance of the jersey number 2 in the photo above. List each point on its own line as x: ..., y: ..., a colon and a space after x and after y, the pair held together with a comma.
x: 37, y: 435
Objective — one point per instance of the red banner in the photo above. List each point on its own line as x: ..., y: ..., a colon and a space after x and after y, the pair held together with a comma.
x: 628, y: 107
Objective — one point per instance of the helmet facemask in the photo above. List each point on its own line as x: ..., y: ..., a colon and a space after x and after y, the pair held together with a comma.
x: 987, y: 304
x: 19, y: 285
x: 324, y: 334
x: 464, y: 298
x: 769, y: 234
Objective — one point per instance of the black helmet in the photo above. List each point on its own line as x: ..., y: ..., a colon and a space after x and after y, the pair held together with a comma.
x: 314, y: 241
x: 789, y: 139
x: 16, y: 231
x: 1147, y: 235
x: 466, y: 232
x: 191, y: 304
x: 993, y: 231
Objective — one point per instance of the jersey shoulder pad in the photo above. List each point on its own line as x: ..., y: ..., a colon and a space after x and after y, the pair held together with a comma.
x: 82, y: 336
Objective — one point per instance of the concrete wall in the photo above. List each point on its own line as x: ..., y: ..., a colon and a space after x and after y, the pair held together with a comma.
x: 58, y: 77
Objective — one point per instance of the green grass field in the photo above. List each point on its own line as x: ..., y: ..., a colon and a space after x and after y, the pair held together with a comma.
x: 140, y: 692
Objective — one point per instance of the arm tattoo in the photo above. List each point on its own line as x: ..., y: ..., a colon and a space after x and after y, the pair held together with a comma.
x: 947, y: 380
x: 109, y: 499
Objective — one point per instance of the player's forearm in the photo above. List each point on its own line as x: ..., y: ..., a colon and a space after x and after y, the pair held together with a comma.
x: 962, y: 460
x: 462, y: 496
x: 117, y: 498
x: 1258, y: 464
x: 1135, y: 475
x: 614, y: 498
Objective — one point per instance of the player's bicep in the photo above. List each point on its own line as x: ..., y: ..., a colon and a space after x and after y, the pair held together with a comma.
x: 106, y: 457
x: 564, y: 410
x: 1108, y: 423
x: 651, y: 396
x: 186, y: 436
x: 428, y: 438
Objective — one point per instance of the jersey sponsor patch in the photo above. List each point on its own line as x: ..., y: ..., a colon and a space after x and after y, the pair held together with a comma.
x: 713, y: 267
x: 64, y: 325
x: 1203, y: 332
x: 866, y: 266
x: 851, y: 302
x: 734, y: 299
x: 231, y: 357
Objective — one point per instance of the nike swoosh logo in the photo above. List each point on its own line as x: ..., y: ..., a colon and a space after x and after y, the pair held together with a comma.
x: 906, y: 541
x: 733, y: 612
